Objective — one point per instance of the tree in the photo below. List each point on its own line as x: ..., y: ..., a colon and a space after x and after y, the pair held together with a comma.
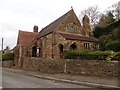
x: 93, y: 13
x: 102, y: 41
x: 106, y: 19
x: 116, y: 33
x: 98, y: 31
x: 102, y: 27
x: 115, y: 9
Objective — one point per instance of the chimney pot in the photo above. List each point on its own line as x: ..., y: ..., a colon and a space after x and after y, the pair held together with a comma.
x: 35, y: 29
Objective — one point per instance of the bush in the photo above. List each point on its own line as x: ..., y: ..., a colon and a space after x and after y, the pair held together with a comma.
x: 114, y: 45
x: 97, y: 55
x: 8, y: 56
x: 71, y: 54
x: 117, y: 56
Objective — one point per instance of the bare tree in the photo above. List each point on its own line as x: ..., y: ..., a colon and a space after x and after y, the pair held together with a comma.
x: 115, y: 9
x: 93, y: 13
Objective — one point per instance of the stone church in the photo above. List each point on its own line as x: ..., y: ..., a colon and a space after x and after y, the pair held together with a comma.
x: 65, y: 33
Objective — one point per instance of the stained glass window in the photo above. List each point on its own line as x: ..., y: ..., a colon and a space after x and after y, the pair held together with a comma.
x: 71, y: 28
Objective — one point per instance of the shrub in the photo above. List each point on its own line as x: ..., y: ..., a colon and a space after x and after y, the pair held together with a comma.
x: 97, y: 55
x: 7, y: 56
x: 117, y: 56
x: 71, y: 54
x: 113, y: 45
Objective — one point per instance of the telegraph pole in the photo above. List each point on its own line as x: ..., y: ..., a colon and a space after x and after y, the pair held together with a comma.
x: 2, y: 45
x: 1, y: 51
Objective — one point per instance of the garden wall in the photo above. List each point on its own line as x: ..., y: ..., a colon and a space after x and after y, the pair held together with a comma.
x: 76, y: 67
x: 7, y: 63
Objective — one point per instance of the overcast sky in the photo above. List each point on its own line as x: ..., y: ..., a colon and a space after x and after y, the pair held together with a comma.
x: 18, y: 15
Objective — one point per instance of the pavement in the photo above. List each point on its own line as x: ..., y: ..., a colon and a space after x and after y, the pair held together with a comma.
x: 96, y: 82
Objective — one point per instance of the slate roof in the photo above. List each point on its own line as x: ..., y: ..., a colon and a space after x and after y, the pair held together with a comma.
x: 25, y: 38
x: 52, y: 26
x: 78, y: 37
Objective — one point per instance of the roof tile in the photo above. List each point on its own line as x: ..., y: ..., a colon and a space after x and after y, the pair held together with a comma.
x: 25, y: 38
x: 78, y: 37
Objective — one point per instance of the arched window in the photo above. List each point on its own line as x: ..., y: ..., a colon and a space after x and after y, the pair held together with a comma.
x: 61, y: 50
x: 73, y: 46
x: 71, y: 28
x: 34, y: 51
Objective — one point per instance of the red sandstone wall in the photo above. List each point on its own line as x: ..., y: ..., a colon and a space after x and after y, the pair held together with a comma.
x: 76, y: 67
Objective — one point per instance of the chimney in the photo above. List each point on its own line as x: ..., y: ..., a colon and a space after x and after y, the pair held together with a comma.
x: 35, y: 29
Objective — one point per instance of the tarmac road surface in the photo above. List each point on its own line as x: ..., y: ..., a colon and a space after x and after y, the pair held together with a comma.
x: 16, y: 80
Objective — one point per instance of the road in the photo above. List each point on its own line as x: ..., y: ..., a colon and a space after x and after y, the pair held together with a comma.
x: 17, y: 80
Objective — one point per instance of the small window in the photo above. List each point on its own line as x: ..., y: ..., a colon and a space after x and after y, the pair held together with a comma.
x: 95, y: 46
x: 86, y: 46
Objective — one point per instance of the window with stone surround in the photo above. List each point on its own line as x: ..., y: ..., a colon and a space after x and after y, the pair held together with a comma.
x: 95, y: 46
x: 71, y: 28
x: 86, y: 46
x: 45, y: 41
x: 73, y: 46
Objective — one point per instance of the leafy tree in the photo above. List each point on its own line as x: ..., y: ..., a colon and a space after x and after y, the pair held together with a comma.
x: 98, y: 31
x: 105, y: 20
x: 116, y: 33
x: 102, y: 27
x: 102, y: 41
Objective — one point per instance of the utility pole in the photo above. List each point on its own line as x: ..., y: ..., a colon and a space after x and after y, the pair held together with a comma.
x: 2, y: 45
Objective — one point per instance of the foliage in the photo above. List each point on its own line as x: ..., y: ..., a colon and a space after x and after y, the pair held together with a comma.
x: 117, y: 56
x: 106, y: 20
x: 7, y: 56
x: 98, y: 31
x: 87, y: 55
x: 104, y: 25
x: 109, y: 35
x: 113, y: 45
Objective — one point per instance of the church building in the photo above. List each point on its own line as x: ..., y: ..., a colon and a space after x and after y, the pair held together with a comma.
x: 65, y: 33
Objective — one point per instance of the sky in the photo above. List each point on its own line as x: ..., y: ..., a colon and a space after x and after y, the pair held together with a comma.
x: 18, y: 15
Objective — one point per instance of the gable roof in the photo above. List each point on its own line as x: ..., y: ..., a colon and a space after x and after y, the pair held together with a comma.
x: 25, y: 38
x: 52, y: 26
x: 78, y: 37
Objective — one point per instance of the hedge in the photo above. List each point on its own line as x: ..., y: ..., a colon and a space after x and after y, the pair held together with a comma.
x: 97, y: 55
x: 7, y: 56
x: 117, y: 56
x: 113, y: 45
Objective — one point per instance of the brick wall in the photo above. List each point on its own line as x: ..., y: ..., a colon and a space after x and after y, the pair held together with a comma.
x: 75, y: 67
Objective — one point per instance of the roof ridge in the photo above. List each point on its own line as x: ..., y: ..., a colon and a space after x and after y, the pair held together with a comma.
x: 57, y: 19
x: 27, y: 32
x: 54, y: 24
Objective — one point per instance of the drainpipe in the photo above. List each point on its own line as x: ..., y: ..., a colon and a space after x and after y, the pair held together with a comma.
x: 65, y: 70
x: 52, y: 44
x: 20, y: 54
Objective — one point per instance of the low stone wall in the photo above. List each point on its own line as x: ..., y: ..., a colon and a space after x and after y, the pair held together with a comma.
x: 93, y: 68
x: 76, y: 67
x: 43, y: 65
x: 7, y: 64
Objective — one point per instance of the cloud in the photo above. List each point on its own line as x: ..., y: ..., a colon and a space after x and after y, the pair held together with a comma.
x: 24, y: 14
